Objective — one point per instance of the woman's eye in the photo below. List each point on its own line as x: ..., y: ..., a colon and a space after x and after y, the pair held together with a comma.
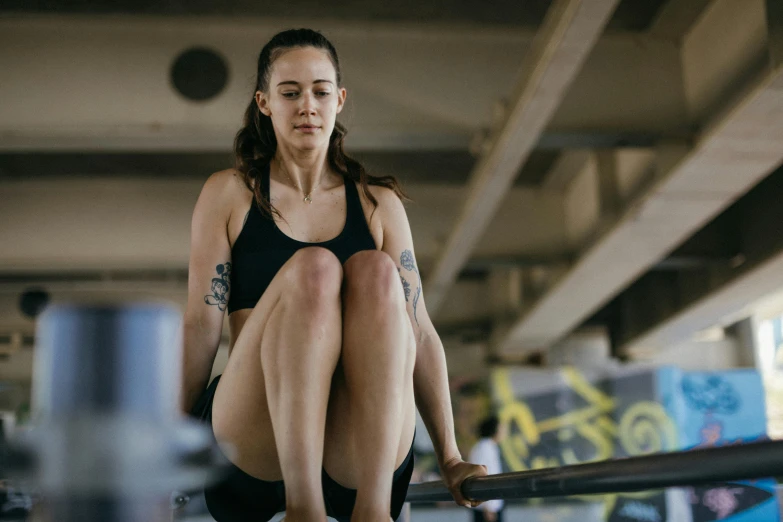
x: 289, y: 94
x: 323, y: 93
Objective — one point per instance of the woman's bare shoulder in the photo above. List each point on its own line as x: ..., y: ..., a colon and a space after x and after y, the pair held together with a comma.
x: 225, y: 181
x: 224, y: 188
x: 385, y: 196
x: 389, y: 204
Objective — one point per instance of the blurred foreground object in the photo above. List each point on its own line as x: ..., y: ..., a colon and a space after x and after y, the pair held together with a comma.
x: 106, y: 441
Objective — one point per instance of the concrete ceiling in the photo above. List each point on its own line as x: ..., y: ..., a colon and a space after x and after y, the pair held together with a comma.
x: 631, y: 15
x: 686, y: 186
x: 670, y: 115
x: 555, y: 58
x: 446, y: 167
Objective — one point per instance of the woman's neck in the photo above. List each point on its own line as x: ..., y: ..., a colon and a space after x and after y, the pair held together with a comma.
x: 307, y: 170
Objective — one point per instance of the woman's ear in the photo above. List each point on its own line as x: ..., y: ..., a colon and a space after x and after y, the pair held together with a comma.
x: 263, y: 103
x: 341, y: 94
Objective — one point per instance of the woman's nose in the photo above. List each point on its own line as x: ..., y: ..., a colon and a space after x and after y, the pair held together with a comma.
x: 308, y: 104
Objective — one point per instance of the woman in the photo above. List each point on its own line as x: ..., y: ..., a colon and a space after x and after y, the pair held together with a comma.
x: 328, y: 349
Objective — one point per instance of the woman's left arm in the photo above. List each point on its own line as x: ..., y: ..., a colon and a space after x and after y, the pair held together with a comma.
x: 430, y: 377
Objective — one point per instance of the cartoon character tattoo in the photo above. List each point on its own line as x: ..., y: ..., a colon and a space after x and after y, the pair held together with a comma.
x: 408, y: 263
x: 220, y: 287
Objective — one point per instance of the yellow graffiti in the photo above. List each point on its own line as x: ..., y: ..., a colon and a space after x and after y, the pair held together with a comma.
x: 502, y: 386
x: 571, y: 418
x: 544, y: 462
x: 515, y: 446
x: 608, y: 426
x: 644, y: 427
x: 588, y: 392
x: 604, y: 447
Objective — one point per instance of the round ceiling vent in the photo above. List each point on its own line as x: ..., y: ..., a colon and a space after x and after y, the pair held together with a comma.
x: 199, y: 74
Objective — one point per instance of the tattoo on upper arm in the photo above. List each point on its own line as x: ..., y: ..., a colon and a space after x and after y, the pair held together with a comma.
x: 406, y: 286
x: 408, y: 263
x: 220, y: 287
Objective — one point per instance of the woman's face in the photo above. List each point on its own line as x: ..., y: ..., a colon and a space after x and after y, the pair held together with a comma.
x: 303, y: 99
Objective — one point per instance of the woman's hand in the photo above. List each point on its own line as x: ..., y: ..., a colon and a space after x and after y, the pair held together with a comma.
x: 455, y: 471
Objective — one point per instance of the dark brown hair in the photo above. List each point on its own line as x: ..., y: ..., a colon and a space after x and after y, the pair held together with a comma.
x: 255, y: 143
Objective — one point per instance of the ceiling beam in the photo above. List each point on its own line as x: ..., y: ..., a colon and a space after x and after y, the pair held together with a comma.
x: 660, y: 312
x: 566, y: 168
x: 560, y: 48
x: 738, y: 148
x: 723, y: 306
x: 677, y: 17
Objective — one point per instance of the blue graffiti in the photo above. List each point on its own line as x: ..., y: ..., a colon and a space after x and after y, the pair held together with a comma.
x: 714, y: 395
x: 640, y: 511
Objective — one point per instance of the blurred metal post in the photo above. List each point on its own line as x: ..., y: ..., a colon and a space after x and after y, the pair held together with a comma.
x: 107, y: 442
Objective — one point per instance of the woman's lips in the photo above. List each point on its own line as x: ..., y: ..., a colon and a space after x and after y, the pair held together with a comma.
x: 309, y: 129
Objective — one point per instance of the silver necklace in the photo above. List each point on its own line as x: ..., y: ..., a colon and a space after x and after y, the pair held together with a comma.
x: 307, y: 197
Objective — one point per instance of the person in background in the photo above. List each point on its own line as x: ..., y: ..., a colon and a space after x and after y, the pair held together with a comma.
x: 487, y: 453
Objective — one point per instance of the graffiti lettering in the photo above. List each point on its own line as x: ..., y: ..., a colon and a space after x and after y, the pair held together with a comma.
x: 644, y: 426
x: 722, y: 501
x: 640, y: 511
x: 14, y: 500
x: 714, y: 395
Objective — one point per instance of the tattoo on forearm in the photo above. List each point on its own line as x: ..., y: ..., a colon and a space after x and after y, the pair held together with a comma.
x: 408, y: 263
x: 220, y: 287
x: 406, y: 286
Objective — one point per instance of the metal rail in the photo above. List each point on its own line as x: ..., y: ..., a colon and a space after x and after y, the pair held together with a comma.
x: 656, y: 471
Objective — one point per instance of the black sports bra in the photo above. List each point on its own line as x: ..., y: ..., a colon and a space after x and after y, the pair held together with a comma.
x: 262, y: 248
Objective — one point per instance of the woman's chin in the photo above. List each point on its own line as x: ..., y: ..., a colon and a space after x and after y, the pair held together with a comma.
x: 310, y: 142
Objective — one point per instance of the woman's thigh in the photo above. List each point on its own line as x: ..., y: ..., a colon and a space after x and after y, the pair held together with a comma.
x: 340, y: 462
x: 240, y: 412
x: 341, y: 438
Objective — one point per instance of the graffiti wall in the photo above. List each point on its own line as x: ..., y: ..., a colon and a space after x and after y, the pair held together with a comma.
x: 561, y: 417
x: 716, y: 409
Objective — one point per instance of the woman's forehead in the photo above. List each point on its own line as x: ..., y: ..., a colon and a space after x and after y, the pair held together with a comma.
x: 302, y: 65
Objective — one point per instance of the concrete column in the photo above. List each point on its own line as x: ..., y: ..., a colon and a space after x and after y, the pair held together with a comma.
x: 608, y: 187
x: 506, y: 293
x: 745, y: 332
x: 586, y: 348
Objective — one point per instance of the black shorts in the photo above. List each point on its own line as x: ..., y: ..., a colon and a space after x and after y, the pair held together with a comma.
x: 239, y: 497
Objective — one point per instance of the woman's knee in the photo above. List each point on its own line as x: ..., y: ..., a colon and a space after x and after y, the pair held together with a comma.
x: 372, y: 275
x: 315, y: 273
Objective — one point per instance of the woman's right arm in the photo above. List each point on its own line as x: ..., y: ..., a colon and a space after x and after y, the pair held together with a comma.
x: 209, y: 271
